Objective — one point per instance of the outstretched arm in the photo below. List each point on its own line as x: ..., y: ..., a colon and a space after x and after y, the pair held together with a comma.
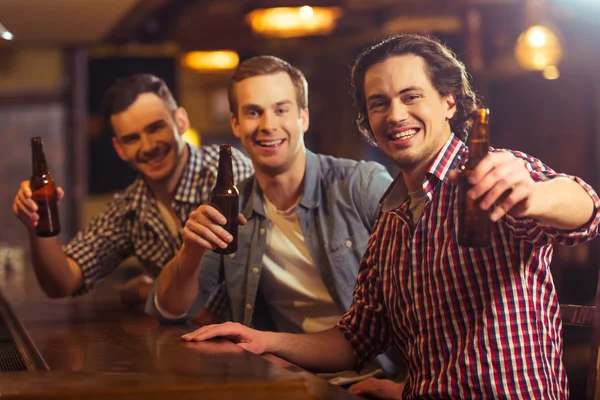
x: 501, y: 179
x: 325, y: 351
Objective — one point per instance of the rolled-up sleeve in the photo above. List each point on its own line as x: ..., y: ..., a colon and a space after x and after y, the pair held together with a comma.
x: 212, y: 294
x: 540, y: 234
x: 101, y: 247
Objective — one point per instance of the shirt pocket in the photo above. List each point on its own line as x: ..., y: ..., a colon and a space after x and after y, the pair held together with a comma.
x: 345, y: 253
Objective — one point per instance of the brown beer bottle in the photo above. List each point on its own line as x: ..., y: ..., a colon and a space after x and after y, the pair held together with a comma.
x: 43, y: 192
x: 474, y: 224
x: 225, y: 198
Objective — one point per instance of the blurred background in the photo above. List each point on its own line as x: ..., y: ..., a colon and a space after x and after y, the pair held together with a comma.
x: 533, y: 62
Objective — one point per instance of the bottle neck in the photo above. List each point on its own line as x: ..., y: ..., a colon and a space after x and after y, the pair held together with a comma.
x: 225, y: 173
x: 478, y: 144
x: 38, y: 159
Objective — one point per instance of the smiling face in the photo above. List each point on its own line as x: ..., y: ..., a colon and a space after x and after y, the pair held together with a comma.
x: 406, y: 114
x: 269, y: 122
x: 148, y: 137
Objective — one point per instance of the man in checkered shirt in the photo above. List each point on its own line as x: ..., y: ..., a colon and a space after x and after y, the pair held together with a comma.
x: 472, y: 323
x: 175, y: 178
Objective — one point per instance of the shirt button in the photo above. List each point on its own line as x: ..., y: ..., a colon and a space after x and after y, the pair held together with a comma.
x: 262, y: 231
x: 348, y: 243
x: 248, y: 306
x: 255, y: 270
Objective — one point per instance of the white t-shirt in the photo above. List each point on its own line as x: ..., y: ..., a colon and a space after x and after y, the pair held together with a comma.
x: 290, y: 283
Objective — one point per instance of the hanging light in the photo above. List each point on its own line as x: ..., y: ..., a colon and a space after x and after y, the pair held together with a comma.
x: 211, y: 60
x: 538, y: 48
x: 286, y: 22
x: 551, y: 72
x: 5, y: 33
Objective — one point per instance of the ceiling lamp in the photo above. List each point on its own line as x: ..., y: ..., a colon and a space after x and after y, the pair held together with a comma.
x: 211, y: 60
x: 551, y: 73
x: 538, y: 48
x: 5, y: 33
x: 286, y: 22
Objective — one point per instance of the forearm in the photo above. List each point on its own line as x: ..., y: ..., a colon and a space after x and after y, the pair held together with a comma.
x: 177, y: 284
x: 562, y: 203
x: 326, y: 351
x: 57, y: 276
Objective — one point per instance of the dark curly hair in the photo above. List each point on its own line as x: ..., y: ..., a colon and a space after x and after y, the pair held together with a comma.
x: 447, y: 73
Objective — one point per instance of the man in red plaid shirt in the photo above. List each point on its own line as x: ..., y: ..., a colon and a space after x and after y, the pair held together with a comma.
x: 475, y: 323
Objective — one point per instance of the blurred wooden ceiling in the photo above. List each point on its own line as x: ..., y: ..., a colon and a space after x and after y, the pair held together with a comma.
x: 213, y: 24
x: 57, y: 22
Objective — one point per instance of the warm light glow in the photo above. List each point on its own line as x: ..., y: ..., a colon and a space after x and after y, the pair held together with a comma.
x: 551, y: 73
x: 211, y: 60
x: 5, y: 33
x: 293, y: 21
x: 411, y: 24
x: 537, y: 48
x: 306, y: 12
x: 536, y: 37
x: 192, y: 137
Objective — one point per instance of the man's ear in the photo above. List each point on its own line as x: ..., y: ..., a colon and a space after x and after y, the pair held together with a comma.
x: 118, y: 148
x: 450, y: 102
x: 235, y: 125
x: 305, y: 117
x: 181, y: 120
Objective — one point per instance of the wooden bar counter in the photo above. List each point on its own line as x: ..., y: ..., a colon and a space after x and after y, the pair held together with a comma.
x: 95, y: 347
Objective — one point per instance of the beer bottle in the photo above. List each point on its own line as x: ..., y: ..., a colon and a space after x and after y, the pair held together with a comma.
x: 474, y: 225
x: 225, y: 198
x: 43, y: 192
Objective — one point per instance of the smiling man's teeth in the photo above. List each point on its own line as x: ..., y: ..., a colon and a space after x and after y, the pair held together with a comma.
x: 269, y: 143
x: 406, y: 134
x: 155, y: 160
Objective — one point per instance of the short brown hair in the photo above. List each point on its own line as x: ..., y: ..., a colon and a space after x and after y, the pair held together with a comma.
x: 124, y: 92
x: 267, y: 65
x: 447, y: 74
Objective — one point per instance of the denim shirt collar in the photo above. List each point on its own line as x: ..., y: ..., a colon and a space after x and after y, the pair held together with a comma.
x: 311, y: 193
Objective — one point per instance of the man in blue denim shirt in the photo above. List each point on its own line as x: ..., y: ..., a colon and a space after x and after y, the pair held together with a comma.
x: 308, y: 218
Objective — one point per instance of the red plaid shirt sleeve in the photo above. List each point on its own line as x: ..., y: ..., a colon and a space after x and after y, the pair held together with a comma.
x: 541, y: 235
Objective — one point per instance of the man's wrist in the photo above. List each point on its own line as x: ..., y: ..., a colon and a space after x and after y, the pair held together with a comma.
x: 272, y: 342
x: 188, y: 258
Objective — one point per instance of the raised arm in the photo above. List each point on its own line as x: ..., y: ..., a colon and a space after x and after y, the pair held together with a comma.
x: 503, y: 180
x: 561, y: 203
x: 57, y: 274
x: 325, y: 351
x: 177, y: 284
